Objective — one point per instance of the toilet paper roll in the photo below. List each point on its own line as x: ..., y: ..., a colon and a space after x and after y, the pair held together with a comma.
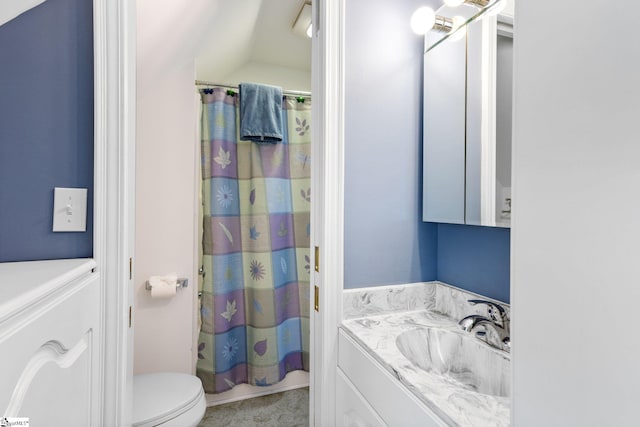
x: 163, y: 287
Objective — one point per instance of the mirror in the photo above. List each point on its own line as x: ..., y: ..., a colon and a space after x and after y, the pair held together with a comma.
x: 467, y: 123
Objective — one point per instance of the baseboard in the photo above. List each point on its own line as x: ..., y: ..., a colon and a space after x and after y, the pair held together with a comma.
x: 293, y: 380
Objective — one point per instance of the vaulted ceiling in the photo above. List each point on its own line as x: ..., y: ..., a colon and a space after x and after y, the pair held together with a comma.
x: 242, y: 31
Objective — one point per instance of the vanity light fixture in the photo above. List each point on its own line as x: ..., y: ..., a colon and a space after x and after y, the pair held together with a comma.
x: 425, y: 19
x: 422, y: 20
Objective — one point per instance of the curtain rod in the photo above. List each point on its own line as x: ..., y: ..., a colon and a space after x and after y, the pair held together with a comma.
x: 284, y: 92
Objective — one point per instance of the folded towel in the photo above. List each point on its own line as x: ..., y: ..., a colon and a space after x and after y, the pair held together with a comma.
x: 261, y: 113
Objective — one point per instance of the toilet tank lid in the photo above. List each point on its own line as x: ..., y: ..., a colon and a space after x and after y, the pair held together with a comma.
x: 162, y: 396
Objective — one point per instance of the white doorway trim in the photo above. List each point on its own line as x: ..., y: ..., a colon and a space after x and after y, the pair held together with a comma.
x: 114, y: 167
x: 114, y: 202
x: 327, y: 212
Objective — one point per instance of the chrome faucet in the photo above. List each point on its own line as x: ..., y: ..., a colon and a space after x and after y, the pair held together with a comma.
x: 496, y: 325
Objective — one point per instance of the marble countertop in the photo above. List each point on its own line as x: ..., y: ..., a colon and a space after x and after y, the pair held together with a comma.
x: 455, y: 405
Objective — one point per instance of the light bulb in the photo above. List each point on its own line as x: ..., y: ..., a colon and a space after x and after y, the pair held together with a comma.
x: 422, y: 20
x: 458, y: 21
x: 310, y: 31
x: 453, y: 3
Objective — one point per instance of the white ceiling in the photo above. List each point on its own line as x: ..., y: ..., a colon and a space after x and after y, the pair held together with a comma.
x: 241, y: 31
x: 11, y: 9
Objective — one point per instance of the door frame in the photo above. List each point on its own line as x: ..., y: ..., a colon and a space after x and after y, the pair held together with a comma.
x: 114, y: 200
x: 327, y: 211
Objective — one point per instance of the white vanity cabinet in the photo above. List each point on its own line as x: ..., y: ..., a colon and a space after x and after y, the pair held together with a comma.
x: 364, y: 384
x: 352, y: 409
x: 49, y: 342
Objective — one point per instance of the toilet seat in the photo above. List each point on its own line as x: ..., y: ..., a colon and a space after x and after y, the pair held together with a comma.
x: 167, y: 399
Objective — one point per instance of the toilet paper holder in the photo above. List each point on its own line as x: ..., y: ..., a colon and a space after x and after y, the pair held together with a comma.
x: 180, y: 283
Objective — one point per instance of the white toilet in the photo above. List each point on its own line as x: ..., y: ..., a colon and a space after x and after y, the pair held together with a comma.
x: 167, y: 399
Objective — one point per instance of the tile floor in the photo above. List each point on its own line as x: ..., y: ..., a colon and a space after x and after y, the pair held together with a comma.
x: 287, y: 409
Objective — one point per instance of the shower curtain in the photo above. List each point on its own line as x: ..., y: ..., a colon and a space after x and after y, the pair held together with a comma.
x: 256, y: 228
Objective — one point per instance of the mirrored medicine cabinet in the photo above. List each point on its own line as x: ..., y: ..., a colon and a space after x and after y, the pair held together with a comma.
x: 467, y: 121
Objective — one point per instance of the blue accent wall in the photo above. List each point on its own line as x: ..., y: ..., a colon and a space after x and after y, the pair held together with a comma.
x: 475, y: 258
x: 46, y: 127
x: 385, y: 240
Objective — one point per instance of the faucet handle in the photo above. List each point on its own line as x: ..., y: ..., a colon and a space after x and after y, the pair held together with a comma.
x: 491, y: 305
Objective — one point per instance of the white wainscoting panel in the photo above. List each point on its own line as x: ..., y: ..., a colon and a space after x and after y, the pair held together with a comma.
x: 50, y: 354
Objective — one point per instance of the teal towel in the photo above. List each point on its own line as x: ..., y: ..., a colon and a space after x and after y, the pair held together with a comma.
x: 261, y: 113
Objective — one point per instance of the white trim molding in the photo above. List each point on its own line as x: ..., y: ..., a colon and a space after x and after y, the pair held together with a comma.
x: 50, y: 352
x: 53, y: 339
x: 114, y: 135
x: 488, y: 120
x: 327, y: 213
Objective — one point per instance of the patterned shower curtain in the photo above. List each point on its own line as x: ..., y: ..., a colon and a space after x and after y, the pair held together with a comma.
x: 256, y: 202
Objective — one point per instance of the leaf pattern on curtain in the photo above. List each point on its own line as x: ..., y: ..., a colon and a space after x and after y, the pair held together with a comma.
x: 256, y: 200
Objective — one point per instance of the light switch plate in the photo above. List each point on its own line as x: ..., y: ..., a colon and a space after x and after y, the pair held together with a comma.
x: 69, y: 209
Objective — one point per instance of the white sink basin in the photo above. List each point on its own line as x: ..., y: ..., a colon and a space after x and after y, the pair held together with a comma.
x: 460, y: 357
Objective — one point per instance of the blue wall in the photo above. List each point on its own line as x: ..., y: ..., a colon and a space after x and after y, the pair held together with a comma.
x: 386, y: 241
x: 46, y: 127
x: 475, y: 259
